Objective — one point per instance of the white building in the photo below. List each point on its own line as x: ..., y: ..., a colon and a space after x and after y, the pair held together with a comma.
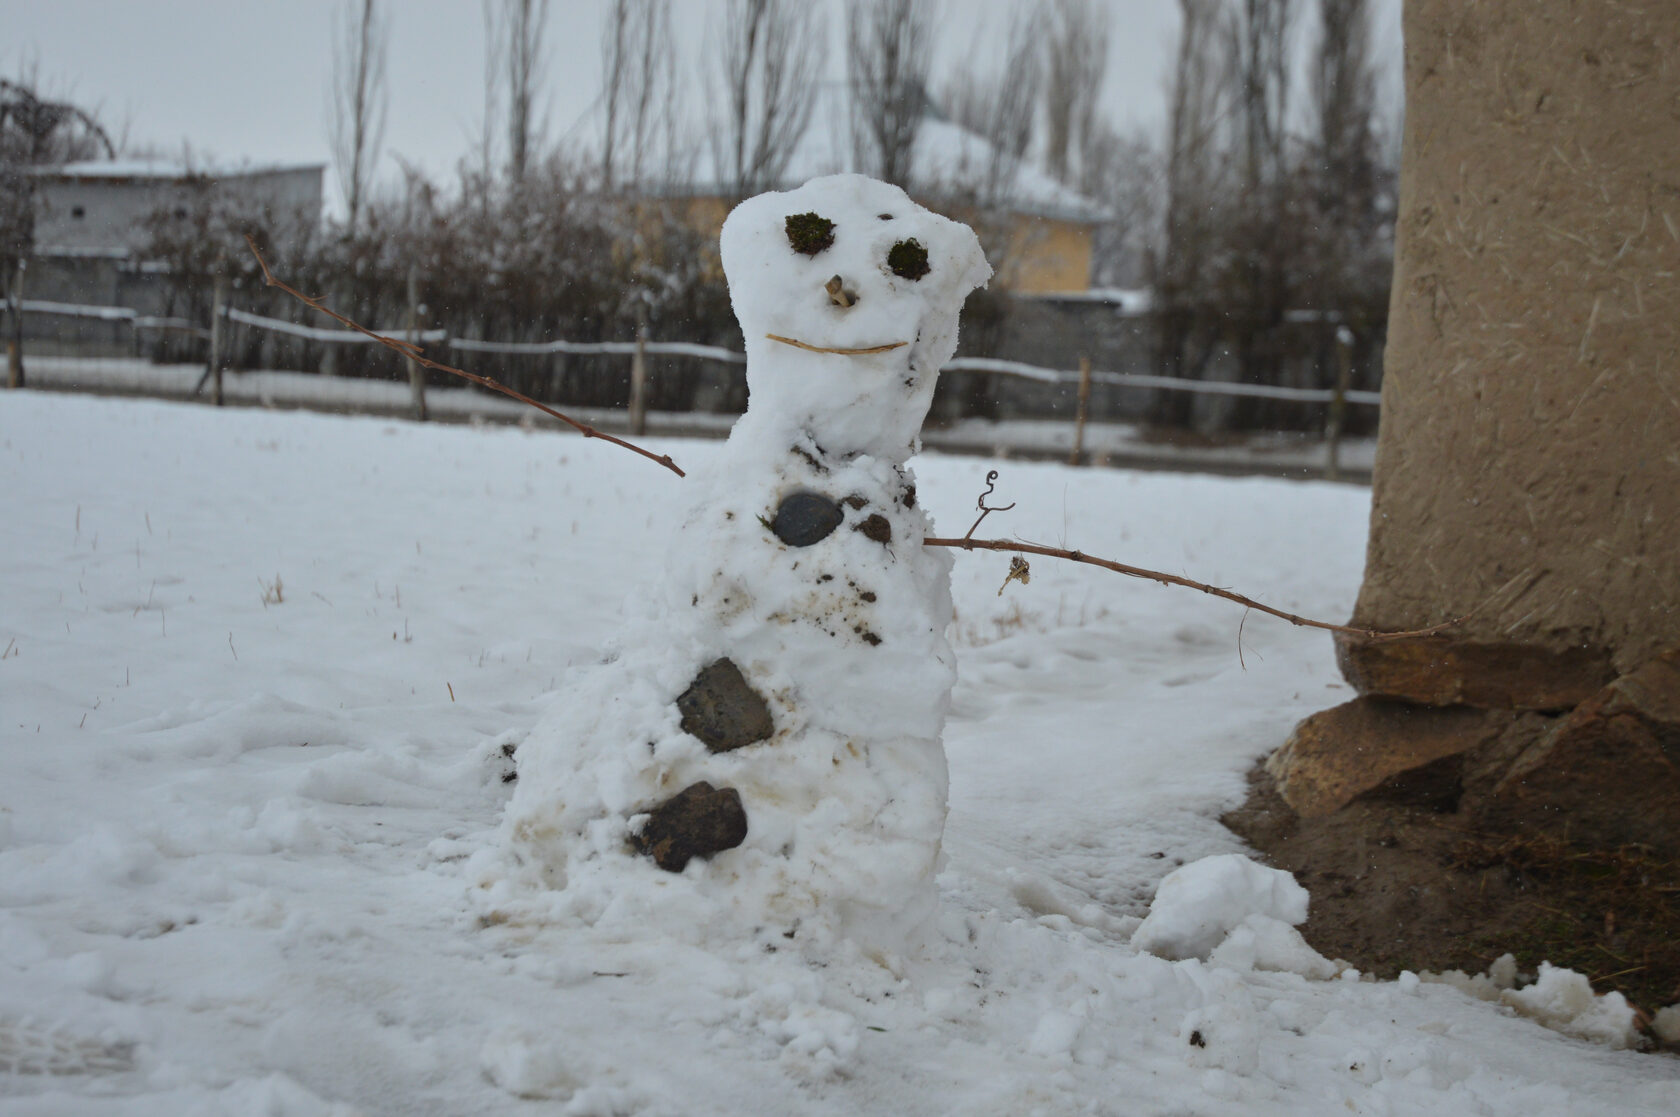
x: 90, y: 224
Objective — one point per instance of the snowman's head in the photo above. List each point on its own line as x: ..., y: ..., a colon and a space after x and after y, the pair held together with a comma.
x: 848, y: 294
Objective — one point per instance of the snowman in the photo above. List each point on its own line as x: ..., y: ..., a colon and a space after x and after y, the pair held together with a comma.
x: 762, y: 760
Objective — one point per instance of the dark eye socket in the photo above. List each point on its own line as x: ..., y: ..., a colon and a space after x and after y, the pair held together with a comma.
x: 908, y: 260
x: 809, y: 233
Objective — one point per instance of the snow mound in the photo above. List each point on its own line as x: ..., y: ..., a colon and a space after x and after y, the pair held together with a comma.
x: 1234, y: 912
x: 1666, y: 1024
x: 1564, y: 1001
x: 1560, y: 999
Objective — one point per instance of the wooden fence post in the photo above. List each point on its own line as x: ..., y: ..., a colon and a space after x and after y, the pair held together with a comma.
x: 218, y: 308
x: 638, y: 384
x: 416, y: 376
x: 14, y: 344
x: 1338, y: 404
x: 1084, y: 409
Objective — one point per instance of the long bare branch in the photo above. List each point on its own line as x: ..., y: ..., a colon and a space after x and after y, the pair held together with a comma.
x: 1371, y: 634
x: 412, y: 351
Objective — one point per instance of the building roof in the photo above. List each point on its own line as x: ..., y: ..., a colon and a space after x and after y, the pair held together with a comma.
x: 164, y: 170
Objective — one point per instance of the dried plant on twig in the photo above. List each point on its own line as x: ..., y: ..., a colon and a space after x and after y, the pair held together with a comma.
x: 1018, y: 571
x: 412, y: 351
x: 985, y: 510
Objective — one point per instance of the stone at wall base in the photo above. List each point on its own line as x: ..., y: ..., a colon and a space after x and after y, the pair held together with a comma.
x: 1339, y: 754
x: 1606, y: 774
x: 1603, y: 775
x: 1441, y: 671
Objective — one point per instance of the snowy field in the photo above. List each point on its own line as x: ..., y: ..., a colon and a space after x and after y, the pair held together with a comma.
x: 259, y: 675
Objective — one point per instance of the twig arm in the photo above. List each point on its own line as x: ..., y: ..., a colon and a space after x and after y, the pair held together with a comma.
x: 968, y: 544
x: 412, y: 352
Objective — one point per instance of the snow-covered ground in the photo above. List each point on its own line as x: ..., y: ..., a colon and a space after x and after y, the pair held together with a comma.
x: 258, y: 672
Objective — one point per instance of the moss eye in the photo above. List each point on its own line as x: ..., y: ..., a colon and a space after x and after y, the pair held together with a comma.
x: 908, y: 260
x: 809, y: 233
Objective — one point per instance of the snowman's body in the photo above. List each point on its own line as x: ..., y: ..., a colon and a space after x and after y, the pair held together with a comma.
x: 799, y: 578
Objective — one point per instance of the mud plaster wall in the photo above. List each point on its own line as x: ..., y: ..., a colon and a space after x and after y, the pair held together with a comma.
x: 1528, y: 465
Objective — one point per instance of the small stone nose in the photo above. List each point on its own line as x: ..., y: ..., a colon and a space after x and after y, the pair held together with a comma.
x: 839, y: 294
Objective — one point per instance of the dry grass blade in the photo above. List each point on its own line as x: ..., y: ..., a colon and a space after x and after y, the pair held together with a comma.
x: 967, y: 544
x: 412, y: 351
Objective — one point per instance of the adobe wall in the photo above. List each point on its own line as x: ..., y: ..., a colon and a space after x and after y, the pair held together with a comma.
x: 1528, y: 466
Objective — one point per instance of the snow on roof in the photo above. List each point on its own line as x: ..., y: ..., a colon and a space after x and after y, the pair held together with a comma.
x: 945, y: 155
x: 171, y: 169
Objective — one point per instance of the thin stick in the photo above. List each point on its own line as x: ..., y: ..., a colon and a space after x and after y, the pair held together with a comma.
x: 1174, y: 580
x: 843, y: 352
x: 412, y: 352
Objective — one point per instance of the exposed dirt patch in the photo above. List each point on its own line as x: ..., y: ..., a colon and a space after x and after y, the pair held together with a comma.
x: 1399, y: 885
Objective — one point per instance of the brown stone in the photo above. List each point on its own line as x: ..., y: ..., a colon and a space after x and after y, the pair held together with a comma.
x: 698, y: 821
x: 1371, y: 745
x: 1605, y: 775
x: 722, y: 709
x: 876, y: 527
x: 1653, y: 691
x: 1442, y: 671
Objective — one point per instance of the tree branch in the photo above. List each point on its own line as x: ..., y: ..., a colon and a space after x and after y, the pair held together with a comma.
x: 1371, y: 634
x: 412, y: 351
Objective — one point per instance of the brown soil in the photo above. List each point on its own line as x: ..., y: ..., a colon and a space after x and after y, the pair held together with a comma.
x: 1399, y: 884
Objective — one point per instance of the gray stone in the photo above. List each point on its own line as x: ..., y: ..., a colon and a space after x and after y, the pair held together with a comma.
x: 722, y: 709
x: 805, y: 518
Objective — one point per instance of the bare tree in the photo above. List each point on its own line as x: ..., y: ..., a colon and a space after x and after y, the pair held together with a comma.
x: 1077, y: 50
x: 1259, y: 33
x: 1197, y: 96
x: 1000, y: 104
x: 1345, y: 160
x: 1349, y: 267
x: 490, y: 127
x: 769, y: 65
x: 524, y: 22
x: 1261, y: 283
x: 640, y: 89
x: 1123, y: 173
x: 358, y: 101
x: 888, y: 52
x: 35, y: 133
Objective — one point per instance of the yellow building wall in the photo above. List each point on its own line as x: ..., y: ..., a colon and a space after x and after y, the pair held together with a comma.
x: 1047, y: 255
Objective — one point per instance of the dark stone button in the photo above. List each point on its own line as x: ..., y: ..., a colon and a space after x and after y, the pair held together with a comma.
x: 697, y: 821
x: 805, y: 518
x: 722, y: 709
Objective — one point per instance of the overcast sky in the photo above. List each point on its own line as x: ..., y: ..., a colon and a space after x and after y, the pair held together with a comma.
x: 248, y: 80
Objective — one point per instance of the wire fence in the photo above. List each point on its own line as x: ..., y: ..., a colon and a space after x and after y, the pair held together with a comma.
x: 1082, y: 378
